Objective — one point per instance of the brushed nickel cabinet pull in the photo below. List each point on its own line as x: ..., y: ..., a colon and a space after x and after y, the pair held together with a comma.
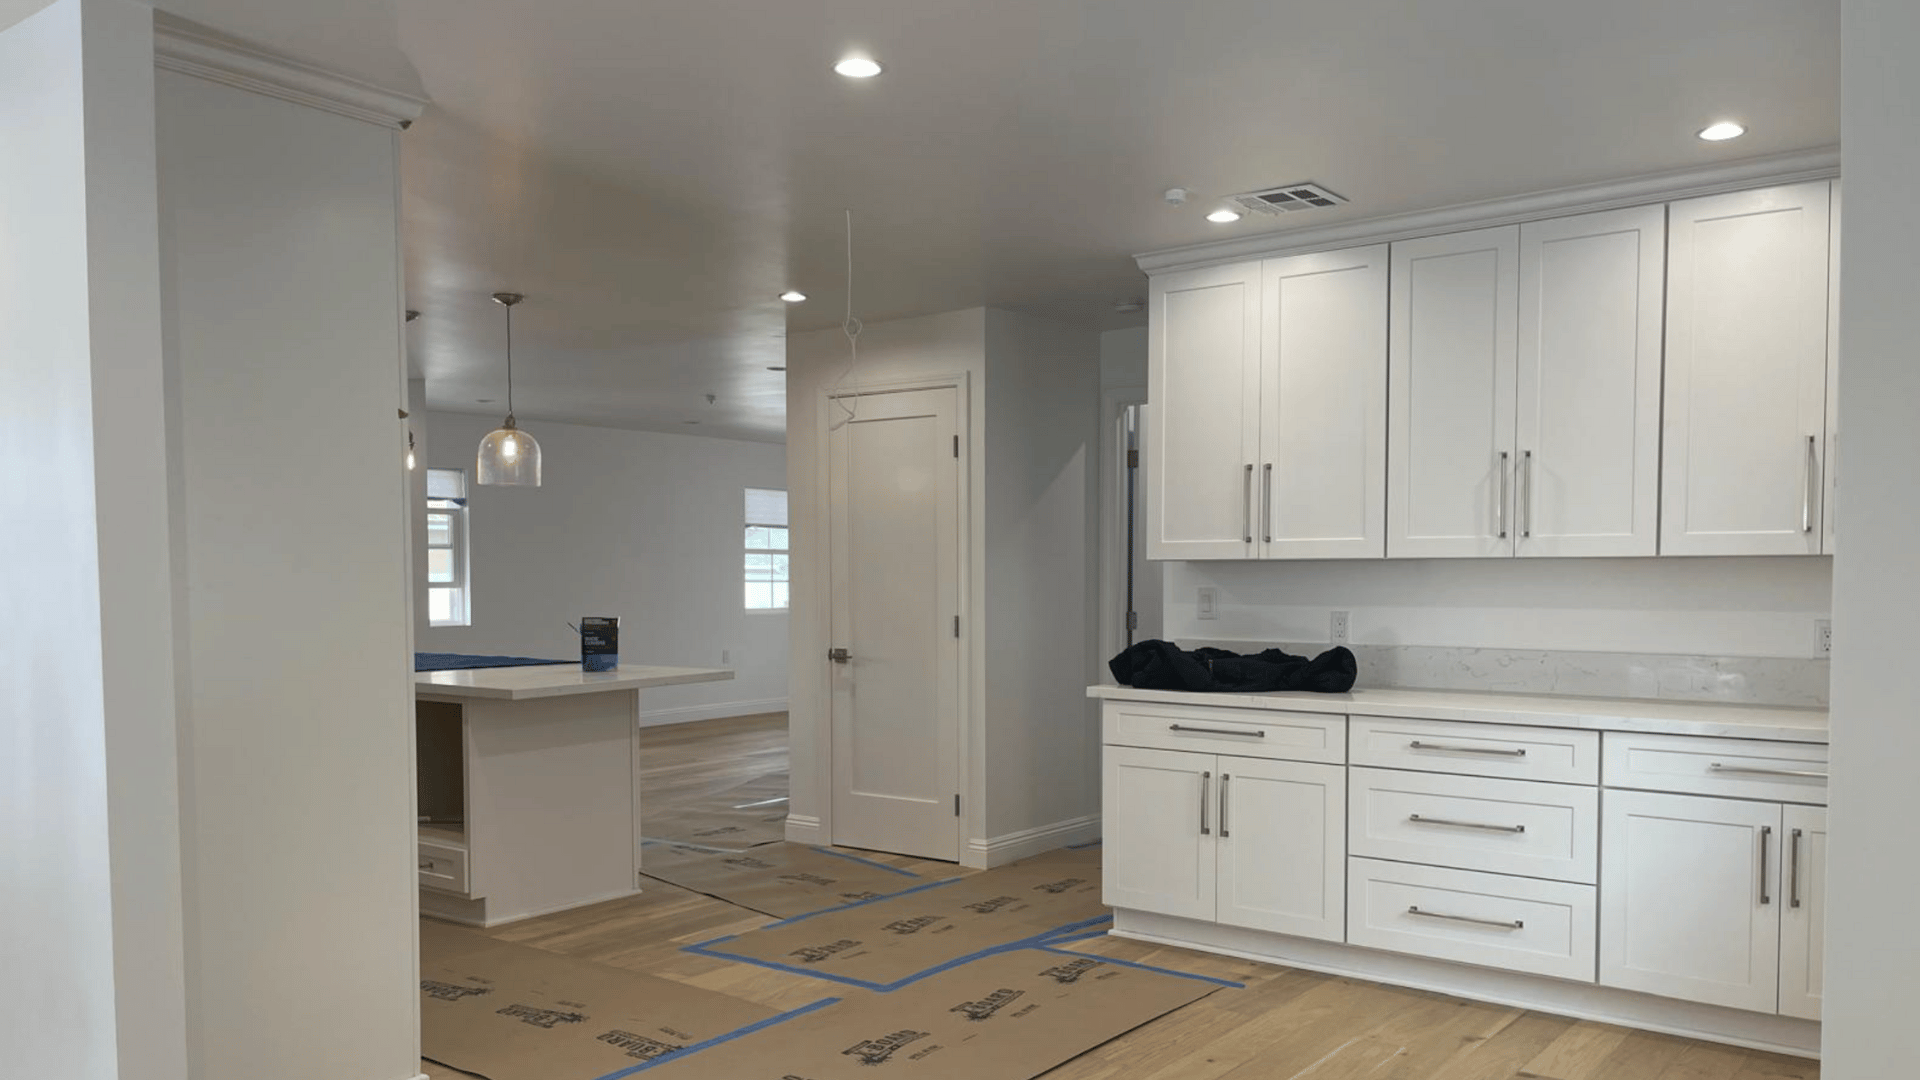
x: 1807, y: 484
x: 1757, y: 770
x: 1247, y: 493
x: 1526, y: 491
x: 1514, y: 925
x: 1266, y: 505
x: 1500, y: 508
x: 1255, y: 733
x: 1442, y: 748
x: 1206, y: 781
x: 1793, y: 864
x: 1766, y: 838
x: 1418, y: 820
x: 1223, y: 804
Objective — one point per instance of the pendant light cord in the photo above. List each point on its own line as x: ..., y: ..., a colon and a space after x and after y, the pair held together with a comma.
x: 851, y: 327
x: 509, y: 308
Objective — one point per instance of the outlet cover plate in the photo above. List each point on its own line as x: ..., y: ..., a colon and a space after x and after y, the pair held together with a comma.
x: 1823, y: 636
x: 1209, y: 601
x: 1337, y: 628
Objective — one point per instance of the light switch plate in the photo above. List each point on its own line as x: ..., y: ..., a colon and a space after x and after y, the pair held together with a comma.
x: 1209, y: 602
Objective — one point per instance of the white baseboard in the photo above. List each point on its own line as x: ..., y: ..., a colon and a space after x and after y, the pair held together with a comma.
x: 1014, y: 846
x: 687, y: 714
x: 1584, y: 1001
x: 805, y: 829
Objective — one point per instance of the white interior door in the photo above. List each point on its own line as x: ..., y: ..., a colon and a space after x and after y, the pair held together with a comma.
x: 894, y: 511
x: 1592, y: 290
x: 1450, y: 478
x: 1160, y: 818
x: 1803, y: 921
x: 1746, y: 373
x: 1323, y: 398
x: 1203, y: 379
x: 1282, y: 847
x: 1690, y: 898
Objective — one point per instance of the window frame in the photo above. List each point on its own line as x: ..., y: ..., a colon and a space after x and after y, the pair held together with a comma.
x: 785, y: 551
x: 461, y: 587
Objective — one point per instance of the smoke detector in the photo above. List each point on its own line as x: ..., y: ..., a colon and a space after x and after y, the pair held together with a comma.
x: 1289, y: 198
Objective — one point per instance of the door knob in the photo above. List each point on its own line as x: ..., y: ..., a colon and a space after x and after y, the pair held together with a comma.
x: 839, y: 656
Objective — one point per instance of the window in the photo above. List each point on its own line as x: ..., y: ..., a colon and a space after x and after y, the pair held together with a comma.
x: 447, y: 581
x: 766, y: 550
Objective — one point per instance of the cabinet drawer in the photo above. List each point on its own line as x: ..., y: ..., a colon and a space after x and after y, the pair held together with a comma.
x: 1701, y: 765
x: 443, y: 867
x: 1539, y: 927
x: 1258, y: 733
x: 1520, y: 753
x: 1475, y: 823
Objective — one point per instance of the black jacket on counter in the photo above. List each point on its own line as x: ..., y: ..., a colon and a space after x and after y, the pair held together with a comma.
x: 1160, y: 665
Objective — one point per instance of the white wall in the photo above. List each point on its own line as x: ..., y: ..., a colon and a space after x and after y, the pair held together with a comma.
x: 636, y: 524
x: 279, y: 252
x: 1123, y: 357
x: 936, y: 346
x: 1042, y: 763
x: 93, y: 985
x: 1873, y: 954
x: 1718, y: 607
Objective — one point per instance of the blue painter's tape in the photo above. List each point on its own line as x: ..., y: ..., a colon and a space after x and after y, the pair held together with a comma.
x: 1049, y: 947
x: 869, y: 862
x: 718, y: 1039
x: 1071, y: 938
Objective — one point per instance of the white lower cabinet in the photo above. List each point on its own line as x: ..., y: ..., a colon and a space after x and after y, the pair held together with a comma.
x: 1239, y: 841
x: 1803, y: 920
x: 1690, y: 898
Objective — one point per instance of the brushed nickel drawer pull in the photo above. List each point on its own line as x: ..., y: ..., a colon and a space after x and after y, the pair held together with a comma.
x: 1255, y: 733
x: 1206, y: 781
x: 1755, y: 770
x: 428, y: 865
x: 1224, y: 777
x: 1793, y: 891
x: 1418, y: 820
x: 1418, y: 745
x: 1514, y: 925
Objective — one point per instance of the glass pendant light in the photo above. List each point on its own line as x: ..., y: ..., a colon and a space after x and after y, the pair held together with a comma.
x: 508, y: 456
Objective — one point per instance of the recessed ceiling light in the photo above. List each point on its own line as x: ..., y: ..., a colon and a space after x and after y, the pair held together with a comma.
x: 793, y: 296
x: 1722, y: 131
x: 858, y: 67
x: 1224, y: 216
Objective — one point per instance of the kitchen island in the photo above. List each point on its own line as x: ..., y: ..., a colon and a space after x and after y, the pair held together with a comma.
x: 529, y: 787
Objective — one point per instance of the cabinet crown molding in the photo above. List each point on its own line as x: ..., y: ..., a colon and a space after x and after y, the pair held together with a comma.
x: 191, y: 49
x: 1819, y: 164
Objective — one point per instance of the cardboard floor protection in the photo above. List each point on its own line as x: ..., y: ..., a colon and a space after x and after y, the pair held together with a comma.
x: 745, y: 815
x: 782, y: 880
x: 509, y: 1012
x: 883, y: 943
x: 1007, y: 1016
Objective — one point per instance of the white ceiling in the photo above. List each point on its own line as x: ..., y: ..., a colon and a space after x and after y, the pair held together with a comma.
x: 652, y: 174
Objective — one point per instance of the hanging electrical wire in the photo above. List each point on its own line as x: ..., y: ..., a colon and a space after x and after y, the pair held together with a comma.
x: 851, y: 327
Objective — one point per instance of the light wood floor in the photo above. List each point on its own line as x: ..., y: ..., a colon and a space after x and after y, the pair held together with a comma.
x: 1286, y: 1025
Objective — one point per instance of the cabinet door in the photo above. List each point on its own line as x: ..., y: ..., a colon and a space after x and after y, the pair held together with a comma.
x: 1746, y: 373
x: 1451, y: 394
x: 1803, y: 921
x: 1203, y: 373
x: 1690, y: 898
x: 1588, y: 425
x: 1282, y: 847
x: 1323, y: 399
x: 1160, y: 817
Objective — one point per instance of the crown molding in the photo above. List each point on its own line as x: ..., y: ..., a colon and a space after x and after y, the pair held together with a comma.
x: 1823, y: 164
x: 191, y: 49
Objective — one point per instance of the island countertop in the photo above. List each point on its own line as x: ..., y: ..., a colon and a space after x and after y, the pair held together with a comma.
x: 1539, y: 710
x: 555, y: 680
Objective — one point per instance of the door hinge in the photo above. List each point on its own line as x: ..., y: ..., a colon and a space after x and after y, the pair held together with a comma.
x: 956, y: 446
x: 956, y: 626
x: 1133, y: 620
x: 956, y: 804
x: 1133, y: 459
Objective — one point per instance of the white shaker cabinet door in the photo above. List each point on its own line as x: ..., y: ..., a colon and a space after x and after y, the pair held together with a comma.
x: 1690, y: 898
x: 1587, y: 454
x: 1803, y: 921
x: 1160, y: 818
x: 1746, y: 373
x: 1203, y: 373
x: 1451, y: 394
x: 1282, y: 847
x: 1323, y: 398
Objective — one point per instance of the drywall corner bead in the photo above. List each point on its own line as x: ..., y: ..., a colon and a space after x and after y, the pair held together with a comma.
x: 191, y: 49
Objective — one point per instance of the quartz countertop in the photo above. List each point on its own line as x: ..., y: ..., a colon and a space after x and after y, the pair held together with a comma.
x: 555, y: 680
x: 1537, y: 710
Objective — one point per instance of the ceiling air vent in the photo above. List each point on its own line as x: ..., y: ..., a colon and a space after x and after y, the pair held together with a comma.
x: 1288, y: 198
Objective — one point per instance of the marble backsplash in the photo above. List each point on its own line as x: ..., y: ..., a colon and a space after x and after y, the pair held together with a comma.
x: 1735, y: 679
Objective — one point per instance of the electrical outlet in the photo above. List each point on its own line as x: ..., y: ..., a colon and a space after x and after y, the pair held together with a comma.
x: 1209, y: 603
x: 1337, y: 628
x: 1823, y: 636
x: 726, y: 656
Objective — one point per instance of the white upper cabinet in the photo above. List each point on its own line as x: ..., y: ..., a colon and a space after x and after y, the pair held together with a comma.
x: 1323, y: 401
x: 1451, y: 395
x: 1587, y: 433
x: 1203, y: 358
x: 1746, y: 373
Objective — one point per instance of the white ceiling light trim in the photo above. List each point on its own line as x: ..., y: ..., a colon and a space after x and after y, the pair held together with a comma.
x: 1721, y: 131
x: 858, y: 67
x: 1224, y: 216
x: 793, y: 296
